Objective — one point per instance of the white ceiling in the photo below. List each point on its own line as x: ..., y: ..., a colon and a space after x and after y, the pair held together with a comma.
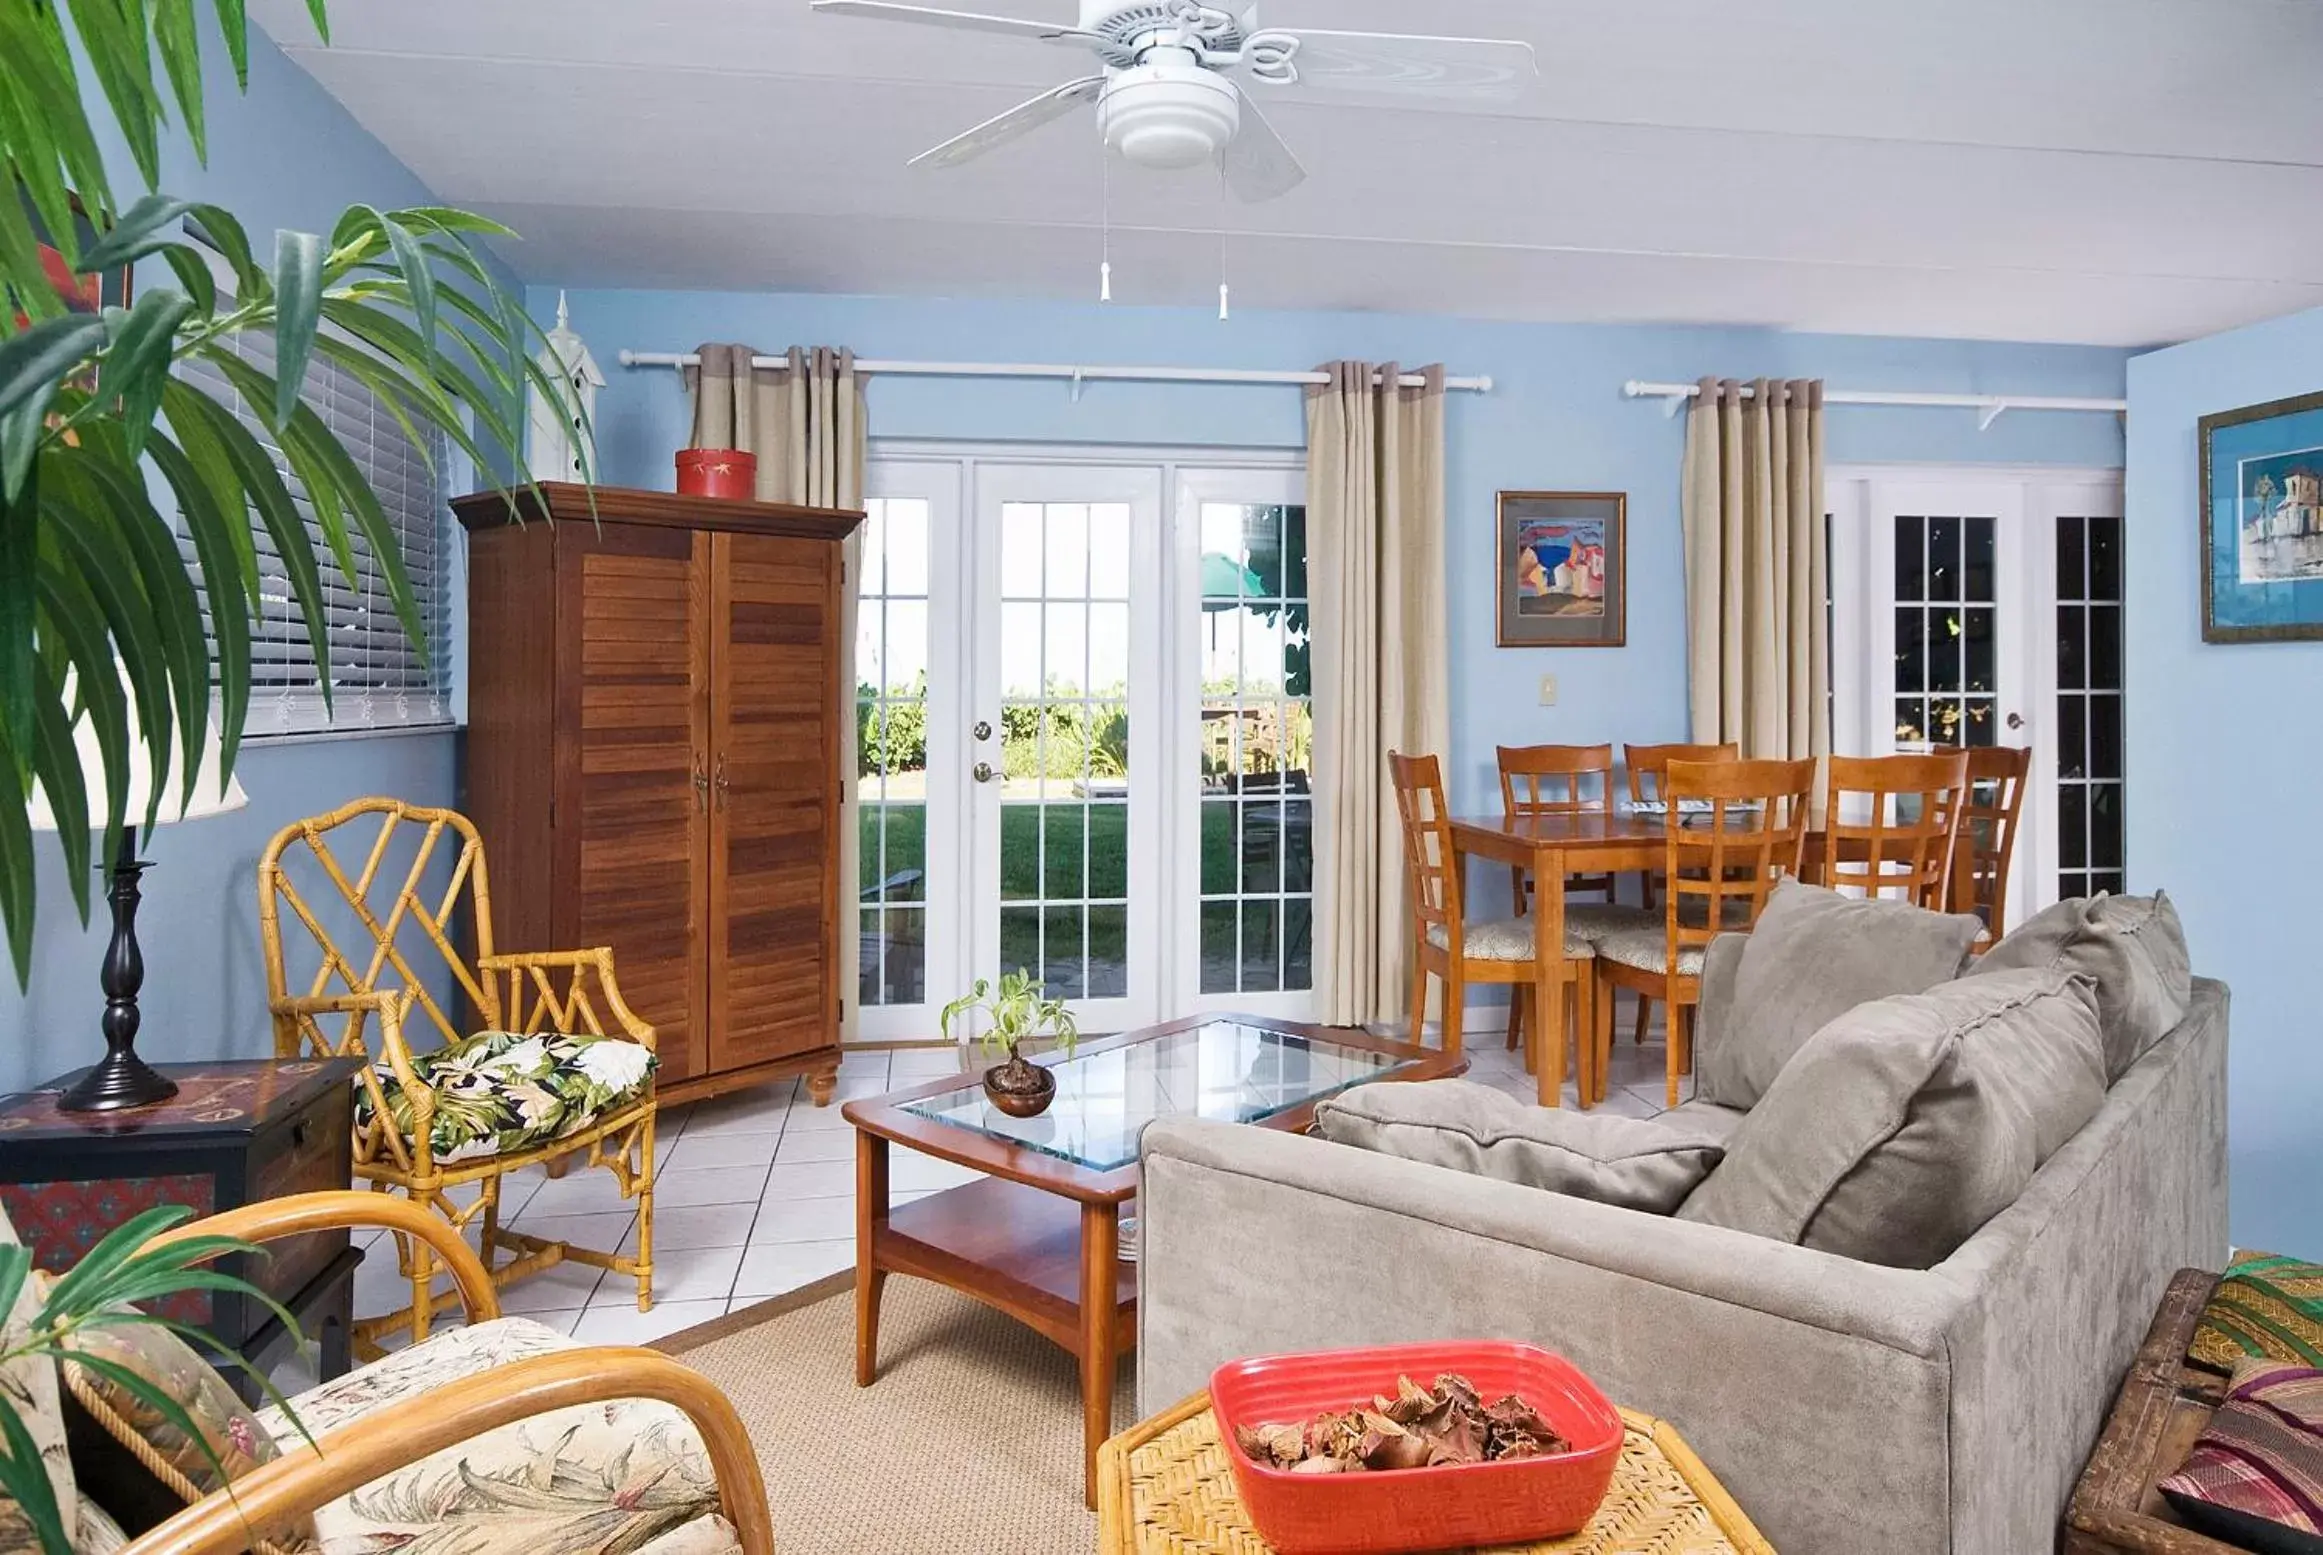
x: 2118, y: 172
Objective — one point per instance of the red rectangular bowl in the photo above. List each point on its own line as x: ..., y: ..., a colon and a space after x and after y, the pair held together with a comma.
x: 1398, y: 1512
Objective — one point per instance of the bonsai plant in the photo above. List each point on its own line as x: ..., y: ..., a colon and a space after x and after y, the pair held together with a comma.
x: 101, y: 438
x: 1020, y: 1012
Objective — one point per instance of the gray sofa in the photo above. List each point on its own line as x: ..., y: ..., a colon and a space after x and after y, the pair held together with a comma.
x: 1851, y: 1409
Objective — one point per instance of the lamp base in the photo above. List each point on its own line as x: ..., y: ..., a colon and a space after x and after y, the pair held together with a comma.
x: 122, y: 1081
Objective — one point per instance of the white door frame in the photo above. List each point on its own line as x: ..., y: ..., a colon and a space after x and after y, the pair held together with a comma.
x: 2027, y: 500
x: 945, y: 473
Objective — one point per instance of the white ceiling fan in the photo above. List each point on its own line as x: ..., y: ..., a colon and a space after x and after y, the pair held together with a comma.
x: 1173, y: 90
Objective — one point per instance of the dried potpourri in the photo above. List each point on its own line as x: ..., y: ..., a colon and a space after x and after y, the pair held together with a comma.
x: 1418, y: 1428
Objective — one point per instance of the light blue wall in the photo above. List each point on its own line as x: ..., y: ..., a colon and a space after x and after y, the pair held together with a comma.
x: 2225, y: 744
x: 1555, y: 419
x: 285, y: 156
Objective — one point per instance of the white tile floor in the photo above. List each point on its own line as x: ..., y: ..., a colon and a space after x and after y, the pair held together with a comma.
x: 755, y: 1195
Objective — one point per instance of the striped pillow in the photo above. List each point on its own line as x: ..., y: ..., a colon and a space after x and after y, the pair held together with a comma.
x: 2255, y: 1476
x: 2265, y: 1308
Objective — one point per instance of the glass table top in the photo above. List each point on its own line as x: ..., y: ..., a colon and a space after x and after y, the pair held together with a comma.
x: 1223, y: 1071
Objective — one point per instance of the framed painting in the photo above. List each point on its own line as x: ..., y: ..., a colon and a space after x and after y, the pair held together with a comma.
x: 2262, y: 522
x: 1561, y: 569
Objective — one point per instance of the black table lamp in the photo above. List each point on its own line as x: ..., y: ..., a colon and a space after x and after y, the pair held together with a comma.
x: 122, y: 1079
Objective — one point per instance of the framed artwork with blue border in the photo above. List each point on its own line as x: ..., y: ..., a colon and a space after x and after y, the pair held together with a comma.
x: 2262, y: 523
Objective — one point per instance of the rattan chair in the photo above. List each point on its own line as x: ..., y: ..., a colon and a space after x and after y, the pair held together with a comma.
x: 1719, y: 868
x: 538, y: 1071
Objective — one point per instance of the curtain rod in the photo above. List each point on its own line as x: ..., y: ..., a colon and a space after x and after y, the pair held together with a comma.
x: 1073, y: 375
x: 1991, y: 406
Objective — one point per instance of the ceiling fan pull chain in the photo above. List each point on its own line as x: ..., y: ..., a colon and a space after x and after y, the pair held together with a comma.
x: 1105, y: 224
x: 1225, y: 303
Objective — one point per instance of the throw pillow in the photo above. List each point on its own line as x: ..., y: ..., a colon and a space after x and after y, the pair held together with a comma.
x: 1640, y: 1164
x: 1907, y: 1123
x: 2255, y: 1476
x: 2132, y: 947
x: 145, y: 1469
x: 1814, y: 956
x: 2265, y: 1308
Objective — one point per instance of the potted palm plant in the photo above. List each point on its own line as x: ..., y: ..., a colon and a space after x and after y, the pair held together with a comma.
x: 103, y: 437
x: 1020, y: 1012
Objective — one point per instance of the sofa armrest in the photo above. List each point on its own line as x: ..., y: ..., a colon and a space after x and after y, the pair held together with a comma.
x: 305, y: 1478
x: 1818, y: 1389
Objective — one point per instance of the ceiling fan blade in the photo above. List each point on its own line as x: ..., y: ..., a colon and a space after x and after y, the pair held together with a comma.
x: 1490, y: 69
x: 1021, y: 120
x: 958, y: 21
x: 1258, y: 165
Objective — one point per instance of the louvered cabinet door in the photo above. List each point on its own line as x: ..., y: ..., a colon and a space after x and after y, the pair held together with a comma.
x: 774, y: 854
x: 635, y: 615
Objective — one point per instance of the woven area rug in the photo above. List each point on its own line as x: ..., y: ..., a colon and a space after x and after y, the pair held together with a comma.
x: 969, y: 1442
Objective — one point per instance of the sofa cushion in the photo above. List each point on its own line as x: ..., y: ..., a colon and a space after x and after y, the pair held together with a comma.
x: 505, y: 1092
x: 1643, y: 1164
x: 611, y: 1476
x: 1907, y: 1123
x: 1814, y: 956
x: 2255, y: 1475
x: 2265, y: 1308
x: 109, y: 1423
x: 2132, y: 947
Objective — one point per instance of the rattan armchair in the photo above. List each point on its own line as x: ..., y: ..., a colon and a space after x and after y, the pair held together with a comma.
x: 406, y: 896
x: 404, y: 1431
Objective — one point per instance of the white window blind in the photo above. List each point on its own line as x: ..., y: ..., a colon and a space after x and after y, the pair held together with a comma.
x: 378, y: 678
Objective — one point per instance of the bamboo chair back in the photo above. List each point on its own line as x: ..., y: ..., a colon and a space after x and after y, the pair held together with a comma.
x: 1431, y: 868
x: 1723, y: 863
x: 1997, y: 779
x: 1892, y: 823
x: 1557, y: 780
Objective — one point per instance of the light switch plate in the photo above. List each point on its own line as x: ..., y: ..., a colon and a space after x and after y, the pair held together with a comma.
x: 1548, y: 691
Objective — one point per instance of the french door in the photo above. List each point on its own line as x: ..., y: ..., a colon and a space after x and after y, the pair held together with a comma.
x: 1984, y: 608
x: 1084, y: 726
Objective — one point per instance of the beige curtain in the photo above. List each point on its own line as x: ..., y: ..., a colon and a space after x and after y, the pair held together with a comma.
x: 1375, y: 545
x: 805, y: 421
x: 1757, y: 568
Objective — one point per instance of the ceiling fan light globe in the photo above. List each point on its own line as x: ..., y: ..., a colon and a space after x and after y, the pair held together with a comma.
x: 1170, y: 115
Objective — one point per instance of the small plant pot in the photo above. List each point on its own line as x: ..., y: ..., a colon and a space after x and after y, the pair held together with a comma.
x: 726, y: 473
x: 1020, y: 1089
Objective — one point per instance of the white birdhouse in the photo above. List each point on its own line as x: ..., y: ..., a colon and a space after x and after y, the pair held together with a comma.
x: 560, y: 445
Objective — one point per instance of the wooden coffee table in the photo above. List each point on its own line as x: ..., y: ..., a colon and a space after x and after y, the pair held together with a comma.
x: 1039, y: 1237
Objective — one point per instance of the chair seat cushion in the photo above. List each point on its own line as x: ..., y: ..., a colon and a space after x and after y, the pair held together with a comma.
x: 611, y: 1476
x: 1645, y: 947
x: 502, y: 1092
x: 1506, y: 939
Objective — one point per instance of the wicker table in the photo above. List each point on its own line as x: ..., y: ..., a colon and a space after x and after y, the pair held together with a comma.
x: 1165, y: 1488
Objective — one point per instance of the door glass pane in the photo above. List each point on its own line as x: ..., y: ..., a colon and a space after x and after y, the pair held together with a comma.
x: 1256, y: 749
x: 1064, y: 801
x: 1947, y: 647
x: 2090, y: 798
x: 891, y: 723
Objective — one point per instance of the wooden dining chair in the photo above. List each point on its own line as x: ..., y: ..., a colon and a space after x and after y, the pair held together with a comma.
x: 1997, y: 779
x: 1446, y: 946
x: 1719, y: 867
x: 1555, y: 780
x: 1891, y: 825
x: 1646, y: 766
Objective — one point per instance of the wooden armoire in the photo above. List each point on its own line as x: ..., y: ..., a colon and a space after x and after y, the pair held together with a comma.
x: 653, y: 760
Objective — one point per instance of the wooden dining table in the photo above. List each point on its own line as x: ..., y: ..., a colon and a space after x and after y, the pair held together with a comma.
x: 1555, y: 846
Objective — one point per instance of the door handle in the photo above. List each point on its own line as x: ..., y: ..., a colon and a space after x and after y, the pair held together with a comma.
x: 701, y: 786
x: 983, y: 772
x: 725, y: 785
x: 2016, y: 720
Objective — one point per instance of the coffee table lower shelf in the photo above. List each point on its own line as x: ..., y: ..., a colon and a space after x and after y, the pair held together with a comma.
x: 1165, y: 1486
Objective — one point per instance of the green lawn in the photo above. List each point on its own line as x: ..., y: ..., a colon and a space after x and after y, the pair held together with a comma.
x: 1087, y: 856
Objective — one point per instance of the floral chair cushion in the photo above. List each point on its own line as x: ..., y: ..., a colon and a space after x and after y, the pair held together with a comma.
x: 503, y: 1092
x: 28, y: 1387
x: 599, y: 1477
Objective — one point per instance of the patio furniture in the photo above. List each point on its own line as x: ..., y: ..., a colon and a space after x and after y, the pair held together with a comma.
x: 1166, y: 1484
x: 1039, y: 1236
x: 535, y: 1079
